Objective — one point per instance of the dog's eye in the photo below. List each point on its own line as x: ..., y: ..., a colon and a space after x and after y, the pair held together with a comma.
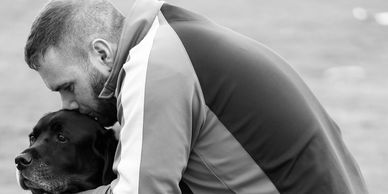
x: 32, y: 139
x: 61, y: 138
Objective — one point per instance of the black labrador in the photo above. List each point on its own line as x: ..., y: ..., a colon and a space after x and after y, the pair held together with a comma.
x: 69, y: 152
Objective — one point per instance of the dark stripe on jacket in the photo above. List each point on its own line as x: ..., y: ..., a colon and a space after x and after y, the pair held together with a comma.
x: 266, y: 106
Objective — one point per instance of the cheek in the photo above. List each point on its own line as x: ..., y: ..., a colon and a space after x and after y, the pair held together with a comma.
x: 85, y: 97
x: 65, y: 158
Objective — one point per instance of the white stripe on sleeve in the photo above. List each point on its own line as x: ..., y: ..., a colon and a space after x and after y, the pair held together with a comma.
x: 132, y: 101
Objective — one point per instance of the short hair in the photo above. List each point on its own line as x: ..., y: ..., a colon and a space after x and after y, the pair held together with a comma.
x: 72, y: 23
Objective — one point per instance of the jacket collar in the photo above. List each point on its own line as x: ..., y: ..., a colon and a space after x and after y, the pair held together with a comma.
x: 136, y: 25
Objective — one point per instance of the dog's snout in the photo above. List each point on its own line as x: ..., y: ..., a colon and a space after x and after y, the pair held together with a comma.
x: 23, y: 160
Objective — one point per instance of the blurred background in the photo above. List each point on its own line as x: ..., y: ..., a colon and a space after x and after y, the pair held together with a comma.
x: 339, y: 47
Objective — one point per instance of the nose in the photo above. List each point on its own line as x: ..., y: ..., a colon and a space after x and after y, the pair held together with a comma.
x: 23, y: 161
x: 69, y: 103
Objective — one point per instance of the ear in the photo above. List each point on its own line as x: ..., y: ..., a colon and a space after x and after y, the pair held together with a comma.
x: 102, y: 55
x: 106, y: 145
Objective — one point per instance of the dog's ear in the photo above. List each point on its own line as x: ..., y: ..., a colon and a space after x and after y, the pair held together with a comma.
x: 105, y: 146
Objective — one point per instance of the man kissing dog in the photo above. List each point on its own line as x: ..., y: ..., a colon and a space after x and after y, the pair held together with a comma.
x: 196, y: 102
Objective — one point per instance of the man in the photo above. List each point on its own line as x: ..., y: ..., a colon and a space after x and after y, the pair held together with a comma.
x: 196, y: 102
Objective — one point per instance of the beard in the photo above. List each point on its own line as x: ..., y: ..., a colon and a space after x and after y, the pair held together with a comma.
x: 106, y: 110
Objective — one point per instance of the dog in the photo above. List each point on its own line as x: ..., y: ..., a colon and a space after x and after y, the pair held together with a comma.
x: 68, y: 153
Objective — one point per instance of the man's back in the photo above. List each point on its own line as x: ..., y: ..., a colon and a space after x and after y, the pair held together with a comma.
x: 224, y: 114
x: 258, y: 105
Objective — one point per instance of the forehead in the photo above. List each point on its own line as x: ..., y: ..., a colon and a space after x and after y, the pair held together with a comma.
x: 58, y: 67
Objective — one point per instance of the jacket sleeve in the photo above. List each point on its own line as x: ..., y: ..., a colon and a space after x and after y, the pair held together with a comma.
x: 159, y: 108
x: 157, y: 131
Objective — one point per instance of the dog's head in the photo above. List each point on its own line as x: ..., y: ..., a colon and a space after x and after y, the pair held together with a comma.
x: 68, y: 152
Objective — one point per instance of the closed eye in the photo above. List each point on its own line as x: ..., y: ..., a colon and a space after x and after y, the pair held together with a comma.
x: 68, y: 87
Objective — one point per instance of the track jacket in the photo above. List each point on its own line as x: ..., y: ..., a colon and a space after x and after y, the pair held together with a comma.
x: 200, y: 103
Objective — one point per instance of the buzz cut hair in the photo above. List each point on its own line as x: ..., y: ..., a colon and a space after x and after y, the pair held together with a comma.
x: 72, y: 25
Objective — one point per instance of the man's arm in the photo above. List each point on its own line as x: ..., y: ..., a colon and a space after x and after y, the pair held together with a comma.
x: 160, y: 108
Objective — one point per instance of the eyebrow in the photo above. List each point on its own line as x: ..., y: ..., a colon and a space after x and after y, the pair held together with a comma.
x: 56, y: 126
x: 34, y: 131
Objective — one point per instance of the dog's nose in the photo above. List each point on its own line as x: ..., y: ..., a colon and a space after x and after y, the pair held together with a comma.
x: 23, y: 160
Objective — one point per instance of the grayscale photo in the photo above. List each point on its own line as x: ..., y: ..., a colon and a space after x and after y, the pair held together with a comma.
x: 193, y: 97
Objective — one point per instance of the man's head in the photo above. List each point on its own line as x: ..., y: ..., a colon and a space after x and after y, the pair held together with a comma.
x: 72, y: 45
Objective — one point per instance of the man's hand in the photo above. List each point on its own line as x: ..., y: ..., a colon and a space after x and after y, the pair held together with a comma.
x: 106, y: 189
